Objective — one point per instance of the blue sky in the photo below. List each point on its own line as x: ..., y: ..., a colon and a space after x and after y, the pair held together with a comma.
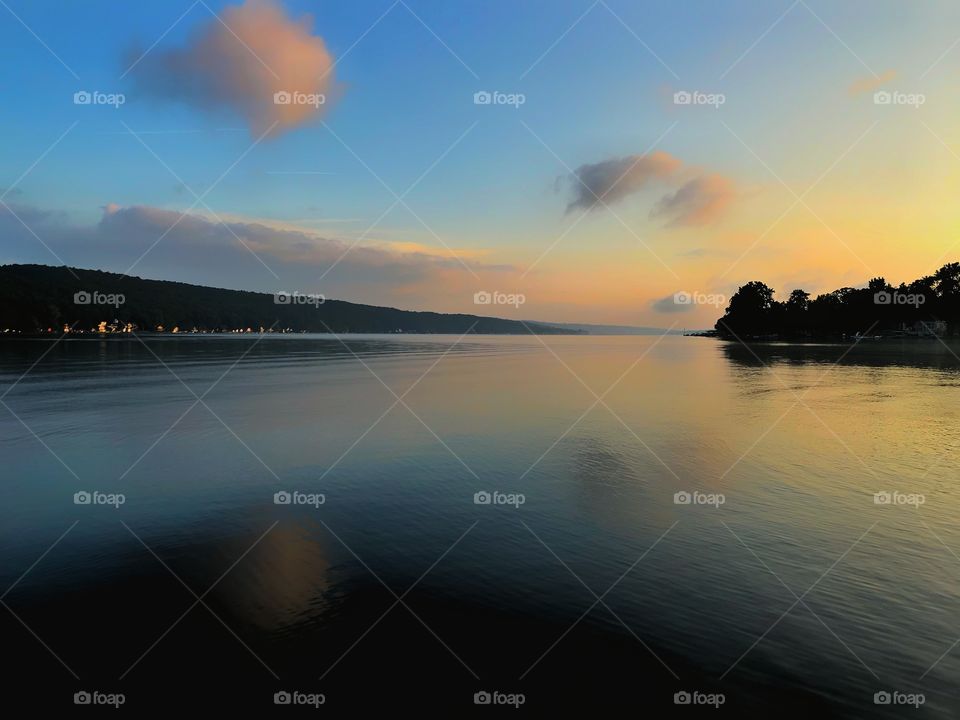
x: 404, y: 96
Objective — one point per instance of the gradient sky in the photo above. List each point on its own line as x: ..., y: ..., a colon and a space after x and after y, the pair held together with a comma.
x: 708, y: 199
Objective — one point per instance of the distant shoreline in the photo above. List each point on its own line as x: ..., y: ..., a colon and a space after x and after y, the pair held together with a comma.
x: 44, y: 300
x: 151, y: 334
x: 822, y: 340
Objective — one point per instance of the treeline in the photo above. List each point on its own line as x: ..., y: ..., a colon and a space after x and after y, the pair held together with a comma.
x: 36, y: 298
x: 929, y: 305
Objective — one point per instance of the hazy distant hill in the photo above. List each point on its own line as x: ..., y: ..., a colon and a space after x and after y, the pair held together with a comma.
x: 616, y: 329
x: 37, y: 297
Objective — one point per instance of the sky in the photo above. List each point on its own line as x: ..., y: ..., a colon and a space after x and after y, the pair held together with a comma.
x: 635, y: 164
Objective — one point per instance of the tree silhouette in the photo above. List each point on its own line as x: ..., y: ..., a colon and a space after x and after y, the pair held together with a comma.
x: 927, y: 304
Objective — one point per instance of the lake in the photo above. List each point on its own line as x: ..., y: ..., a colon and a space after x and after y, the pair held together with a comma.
x: 403, y: 521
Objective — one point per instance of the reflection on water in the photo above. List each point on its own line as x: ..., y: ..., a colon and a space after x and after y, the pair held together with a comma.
x: 796, y: 439
x: 885, y: 353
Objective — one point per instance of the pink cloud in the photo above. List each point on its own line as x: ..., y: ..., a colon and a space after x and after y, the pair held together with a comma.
x: 701, y: 197
x: 700, y: 201
x: 240, y: 62
x: 869, y: 84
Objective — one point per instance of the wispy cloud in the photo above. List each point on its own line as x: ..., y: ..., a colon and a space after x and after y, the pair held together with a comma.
x: 700, y: 201
x: 610, y: 181
x: 701, y: 198
x: 670, y: 305
x: 196, y: 248
x: 870, y: 83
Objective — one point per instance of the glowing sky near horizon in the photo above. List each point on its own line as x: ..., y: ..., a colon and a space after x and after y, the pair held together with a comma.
x: 399, y: 190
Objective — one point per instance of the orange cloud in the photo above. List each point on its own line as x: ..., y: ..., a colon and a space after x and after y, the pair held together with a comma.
x: 254, y: 61
x: 700, y: 201
x: 868, y: 84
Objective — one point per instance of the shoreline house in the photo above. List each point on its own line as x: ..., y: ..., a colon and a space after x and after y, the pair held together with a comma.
x: 924, y: 328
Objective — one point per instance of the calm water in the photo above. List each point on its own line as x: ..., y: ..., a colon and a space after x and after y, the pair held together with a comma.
x: 493, y: 597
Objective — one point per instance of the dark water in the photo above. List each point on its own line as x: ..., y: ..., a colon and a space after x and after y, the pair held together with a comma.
x: 200, y: 592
